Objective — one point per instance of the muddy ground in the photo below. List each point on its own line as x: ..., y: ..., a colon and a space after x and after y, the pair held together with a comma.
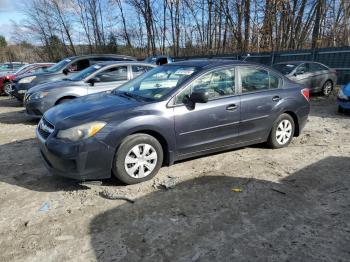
x: 294, y: 203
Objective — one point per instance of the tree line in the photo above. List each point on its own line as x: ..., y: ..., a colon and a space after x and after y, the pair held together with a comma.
x: 59, y: 28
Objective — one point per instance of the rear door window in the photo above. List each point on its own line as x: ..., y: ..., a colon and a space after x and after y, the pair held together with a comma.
x: 314, y: 67
x: 255, y: 79
x: 119, y: 73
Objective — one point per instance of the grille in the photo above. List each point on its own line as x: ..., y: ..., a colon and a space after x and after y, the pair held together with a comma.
x: 45, y: 128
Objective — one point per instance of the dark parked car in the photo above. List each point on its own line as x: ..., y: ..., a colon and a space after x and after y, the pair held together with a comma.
x: 343, y: 98
x: 6, y: 80
x: 63, y: 69
x: 172, y: 112
x: 159, y: 60
x: 315, y: 76
x: 97, y: 78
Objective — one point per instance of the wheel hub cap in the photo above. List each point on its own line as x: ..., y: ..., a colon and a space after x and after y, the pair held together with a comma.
x: 140, y: 161
x: 284, y: 132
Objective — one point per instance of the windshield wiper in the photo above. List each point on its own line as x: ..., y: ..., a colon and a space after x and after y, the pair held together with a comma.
x: 131, y: 95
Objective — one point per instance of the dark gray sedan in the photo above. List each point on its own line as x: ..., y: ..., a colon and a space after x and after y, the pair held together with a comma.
x: 173, y: 112
x: 315, y: 76
x: 97, y: 78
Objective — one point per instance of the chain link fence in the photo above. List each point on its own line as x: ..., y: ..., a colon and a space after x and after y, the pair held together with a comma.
x: 336, y: 58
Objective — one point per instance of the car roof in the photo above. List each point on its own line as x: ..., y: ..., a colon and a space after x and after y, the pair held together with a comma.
x: 108, y: 63
x: 297, y: 62
x: 212, y: 63
x: 100, y: 55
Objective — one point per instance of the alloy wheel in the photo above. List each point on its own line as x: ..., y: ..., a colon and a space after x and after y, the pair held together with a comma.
x: 7, y: 88
x: 327, y: 89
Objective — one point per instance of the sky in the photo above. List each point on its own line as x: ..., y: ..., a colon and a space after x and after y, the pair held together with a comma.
x: 9, y: 10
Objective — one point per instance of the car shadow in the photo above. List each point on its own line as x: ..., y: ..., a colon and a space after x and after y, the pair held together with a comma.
x: 326, y: 107
x: 17, y: 117
x: 6, y: 101
x: 21, y: 165
x: 306, y: 217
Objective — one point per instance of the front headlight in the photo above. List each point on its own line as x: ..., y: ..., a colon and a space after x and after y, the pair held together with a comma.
x: 26, y: 80
x: 81, y: 132
x: 38, y: 95
x: 341, y: 94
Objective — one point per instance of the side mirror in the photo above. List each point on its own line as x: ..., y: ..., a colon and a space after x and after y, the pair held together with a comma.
x: 65, y: 71
x: 94, y: 80
x: 199, y: 96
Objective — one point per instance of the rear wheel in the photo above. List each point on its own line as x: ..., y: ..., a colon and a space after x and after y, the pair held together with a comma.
x: 282, y: 132
x: 327, y: 88
x: 138, y: 159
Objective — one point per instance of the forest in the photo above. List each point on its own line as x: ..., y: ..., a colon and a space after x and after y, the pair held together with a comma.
x: 53, y: 29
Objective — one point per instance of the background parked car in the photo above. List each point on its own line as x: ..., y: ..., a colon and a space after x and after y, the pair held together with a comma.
x: 97, y: 78
x: 315, y: 76
x: 343, y: 99
x: 6, y: 80
x: 159, y: 60
x: 10, y: 67
x: 172, y: 112
x: 61, y: 70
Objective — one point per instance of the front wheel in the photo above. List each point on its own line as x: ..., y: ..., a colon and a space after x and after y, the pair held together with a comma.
x: 327, y: 88
x: 138, y: 159
x: 7, y: 88
x: 282, y: 132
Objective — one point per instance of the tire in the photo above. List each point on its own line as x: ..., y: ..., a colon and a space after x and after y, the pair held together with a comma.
x: 327, y: 88
x: 340, y: 109
x: 131, y: 173
x: 280, y: 128
x: 7, y: 90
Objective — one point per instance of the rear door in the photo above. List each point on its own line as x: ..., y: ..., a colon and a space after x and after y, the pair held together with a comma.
x: 320, y: 75
x: 109, y: 79
x: 209, y: 125
x: 260, y: 95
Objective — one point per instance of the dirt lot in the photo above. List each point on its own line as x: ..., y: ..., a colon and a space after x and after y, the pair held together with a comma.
x: 294, y: 204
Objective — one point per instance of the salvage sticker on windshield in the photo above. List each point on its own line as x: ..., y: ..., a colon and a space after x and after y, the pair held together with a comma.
x: 97, y: 66
x: 184, y: 72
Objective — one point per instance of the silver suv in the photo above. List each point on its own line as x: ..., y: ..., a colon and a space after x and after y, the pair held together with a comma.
x: 97, y: 78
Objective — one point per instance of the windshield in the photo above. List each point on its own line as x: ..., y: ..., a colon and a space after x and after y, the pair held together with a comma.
x: 21, y: 69
x: 285, y: 68
x: 60, y: 65
x: 85, y: 73
x: 157, y: 83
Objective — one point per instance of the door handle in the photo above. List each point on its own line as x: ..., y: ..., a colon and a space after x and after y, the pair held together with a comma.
x: 276, y: 98
x: 231, y: 107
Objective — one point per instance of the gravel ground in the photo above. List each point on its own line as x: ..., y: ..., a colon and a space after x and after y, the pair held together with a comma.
x: 293, y: 204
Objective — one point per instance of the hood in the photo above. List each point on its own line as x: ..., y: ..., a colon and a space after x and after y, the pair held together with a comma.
x: 95, y: 107
x: 346, y: 89
x: 53, y: 85
x: 37, y: 74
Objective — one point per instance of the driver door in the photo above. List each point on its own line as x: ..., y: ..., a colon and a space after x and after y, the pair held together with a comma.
x: 109, y: 79
x: 208, y: 125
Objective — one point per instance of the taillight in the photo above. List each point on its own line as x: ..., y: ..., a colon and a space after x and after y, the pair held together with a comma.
x: 306, y: 93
